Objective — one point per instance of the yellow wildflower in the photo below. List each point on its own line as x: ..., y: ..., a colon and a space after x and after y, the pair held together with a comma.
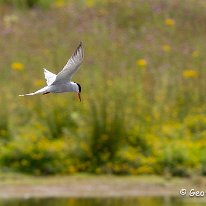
x: 84, y: 147
x: 72, y: 169
x: 170, y: 22
x: 17, y: 66
x: 90, y: 3
x: 167, y: 129
x: 130, y: 155
x: 34, y: 137
x: 98, y: 171
x: 189, y: 73
x: 195, y: 54
x: 141, y: 62
x: 145, y: 170
x: 166, y: 48
x: 59, y: 3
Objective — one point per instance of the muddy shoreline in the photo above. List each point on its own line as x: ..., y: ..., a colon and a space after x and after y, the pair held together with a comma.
x: 18, y: 186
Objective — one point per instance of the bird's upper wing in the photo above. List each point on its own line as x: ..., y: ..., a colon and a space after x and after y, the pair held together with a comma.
x: 49, y: 76
x: 71, y: 66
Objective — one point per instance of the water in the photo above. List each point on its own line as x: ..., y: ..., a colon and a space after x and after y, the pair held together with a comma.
x: 138, y: 201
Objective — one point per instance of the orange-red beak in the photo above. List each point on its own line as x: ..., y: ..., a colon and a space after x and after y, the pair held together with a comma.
x: 79, y: 96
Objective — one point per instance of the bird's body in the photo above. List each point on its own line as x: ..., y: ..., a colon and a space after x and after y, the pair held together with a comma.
x: 61, y: 82
x: 59, y: 88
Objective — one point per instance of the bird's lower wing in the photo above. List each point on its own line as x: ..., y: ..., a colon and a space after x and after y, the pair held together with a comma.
x: 30, y: 94
x: 41, y: 91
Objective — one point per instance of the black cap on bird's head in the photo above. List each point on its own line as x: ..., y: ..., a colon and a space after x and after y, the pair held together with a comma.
x: 79, y: 86
x: 79, y: 90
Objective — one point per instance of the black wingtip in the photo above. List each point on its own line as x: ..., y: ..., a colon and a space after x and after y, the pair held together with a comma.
x: 80, y: 47
x: 80, y: 44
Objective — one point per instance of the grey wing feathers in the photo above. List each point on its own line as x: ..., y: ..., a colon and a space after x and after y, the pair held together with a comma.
x: 71, y: 66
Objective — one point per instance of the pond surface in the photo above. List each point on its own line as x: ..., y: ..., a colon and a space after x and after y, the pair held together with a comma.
x: 138, y: 201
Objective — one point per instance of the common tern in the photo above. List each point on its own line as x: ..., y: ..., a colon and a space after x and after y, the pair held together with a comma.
x: 62, y: 81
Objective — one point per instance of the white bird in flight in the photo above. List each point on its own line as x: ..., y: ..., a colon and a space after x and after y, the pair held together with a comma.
x: 62, y: 81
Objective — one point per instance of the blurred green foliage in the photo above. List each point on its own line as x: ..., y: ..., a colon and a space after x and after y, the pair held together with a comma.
x: 143, y: 87
x: 24, y: 4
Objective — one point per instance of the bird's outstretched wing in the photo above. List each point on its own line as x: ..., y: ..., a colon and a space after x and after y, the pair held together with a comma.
x: 71, y: 66
x: 49, y: 76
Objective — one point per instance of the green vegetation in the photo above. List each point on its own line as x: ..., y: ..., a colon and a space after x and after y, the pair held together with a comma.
x: 143, y: 87
x: 25, y: 4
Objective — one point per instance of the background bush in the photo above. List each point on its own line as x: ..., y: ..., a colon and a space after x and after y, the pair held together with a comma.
x: 143, y: 87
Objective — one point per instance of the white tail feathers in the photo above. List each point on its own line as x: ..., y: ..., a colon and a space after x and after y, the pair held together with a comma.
x: 41, y: 91
x: 22, y: 95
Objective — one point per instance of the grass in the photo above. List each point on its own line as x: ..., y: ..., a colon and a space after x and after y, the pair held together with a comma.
x: 143, y: 88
